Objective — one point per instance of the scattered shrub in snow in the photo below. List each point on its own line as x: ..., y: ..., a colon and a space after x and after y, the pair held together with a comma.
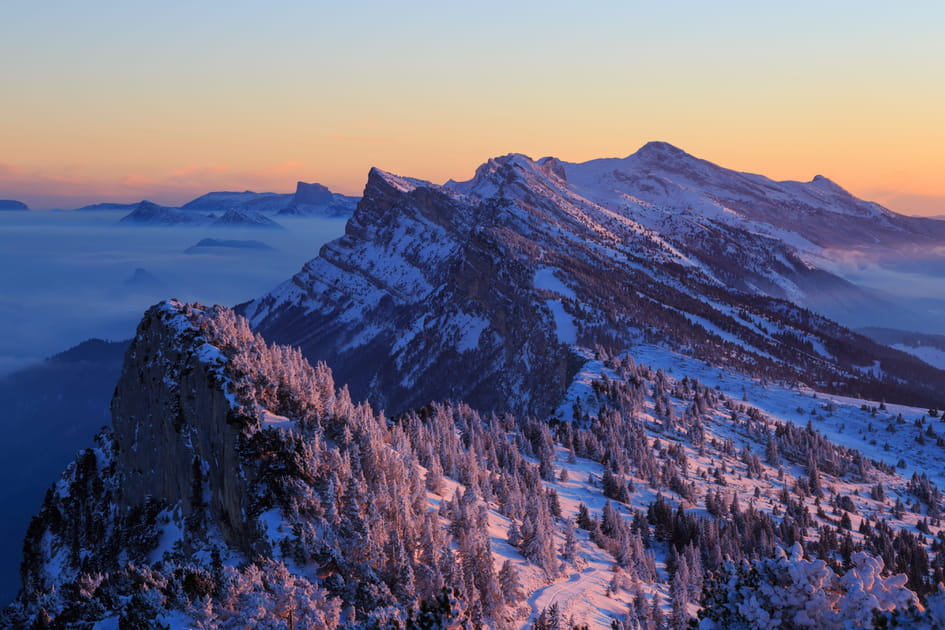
x: 788, y: 591
x: 932, y: 617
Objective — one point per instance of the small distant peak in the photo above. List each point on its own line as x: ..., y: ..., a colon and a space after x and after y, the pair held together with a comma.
x: 142, y: 278
x: 514, y: 158
x: 13, y: 204
x: 147, y: 208
x: 496, y: 172
x: 659, y: 149
x: 554, y: 166
x: 314, y: 194
x: 384, y: 180
x: 514, y: 161
x: 825, y: 183
x: 248, y: 218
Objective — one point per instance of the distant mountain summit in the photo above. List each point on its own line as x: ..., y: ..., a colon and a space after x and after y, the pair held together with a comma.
x: 308, y: 199
x: 143, y: 279
x: 240, y: 209
x: 317, y: 200
x: 245, y: 218
x: 12, y: 204
x: 312, y: 194
x: 223, y: 201
x: 147, y: 213
x: 669, y: 189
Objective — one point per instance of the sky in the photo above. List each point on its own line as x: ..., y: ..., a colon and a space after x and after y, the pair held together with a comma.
x: 124, y: 100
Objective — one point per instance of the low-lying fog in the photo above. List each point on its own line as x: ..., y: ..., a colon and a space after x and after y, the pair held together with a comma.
x: 906, y: 290
x: 67, y: 276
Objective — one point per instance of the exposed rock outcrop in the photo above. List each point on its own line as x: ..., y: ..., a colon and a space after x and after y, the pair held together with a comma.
x: 317, y: 200
x: 174, y: 422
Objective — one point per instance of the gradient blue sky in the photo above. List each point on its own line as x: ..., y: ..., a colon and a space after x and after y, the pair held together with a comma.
x: 126, y: 100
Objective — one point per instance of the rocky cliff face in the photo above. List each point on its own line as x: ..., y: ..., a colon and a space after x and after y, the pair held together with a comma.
x: 317, y: 200
x: 314, y: 194
x: 433, y: 295
x: 238, y: 488
x: 197, y: 469
x: 174, y: 448
x: 175, y: 427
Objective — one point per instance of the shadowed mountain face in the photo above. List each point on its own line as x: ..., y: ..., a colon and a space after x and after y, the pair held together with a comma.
x: 12, y: 204
x: 308, y: 200
x: 147, y: 213
x: 239, y: 209
x: 487, y: 290
x: 51, y: 411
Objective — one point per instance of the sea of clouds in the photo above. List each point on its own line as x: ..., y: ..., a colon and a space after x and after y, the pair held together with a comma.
x: 65, y: 276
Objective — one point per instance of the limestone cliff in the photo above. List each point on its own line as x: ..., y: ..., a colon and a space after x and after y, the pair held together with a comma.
x: 177, y: 451
x: 174, y: 420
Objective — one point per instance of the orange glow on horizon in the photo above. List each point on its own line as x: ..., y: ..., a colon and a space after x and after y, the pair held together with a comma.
x: 904, y: 192
x: 90, y: 113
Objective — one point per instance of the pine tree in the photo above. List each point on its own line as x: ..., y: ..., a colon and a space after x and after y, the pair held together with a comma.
x: 570, y: 544
x: 510, y: 583
x: 679, y: 595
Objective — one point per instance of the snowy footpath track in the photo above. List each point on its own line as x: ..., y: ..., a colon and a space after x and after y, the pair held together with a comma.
x: 580, y: 597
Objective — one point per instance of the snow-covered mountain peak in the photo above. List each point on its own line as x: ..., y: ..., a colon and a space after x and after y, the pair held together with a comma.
x: 379, y: 179
x: 494, y: 177
x: 657, y: 150
x: 430, y: 278
x: 815, y: 217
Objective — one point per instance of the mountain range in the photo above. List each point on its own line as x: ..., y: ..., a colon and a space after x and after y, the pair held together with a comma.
x: 236, y: 209
x: 556, y: 395
x: 513, y: 269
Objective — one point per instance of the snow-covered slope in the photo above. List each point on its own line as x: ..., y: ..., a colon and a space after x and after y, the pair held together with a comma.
x: 674, y: 189
x: 512, y: 269
x: 240, y: 488
x: 929, y: 348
